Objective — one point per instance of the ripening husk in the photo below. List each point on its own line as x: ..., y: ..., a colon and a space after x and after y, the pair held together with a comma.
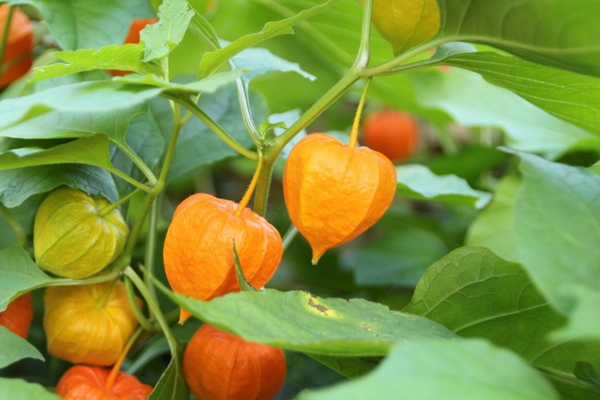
x: 81, y: 329
x: 72, y: 238
x: 198, y: 248
x: 220, y: 366
x: 82, y: 382
x: 18, y: 315
x: 334, y: 193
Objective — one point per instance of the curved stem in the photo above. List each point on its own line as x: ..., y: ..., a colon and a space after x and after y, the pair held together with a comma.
x: 198, y: 112
x: 107, y: 209
x: 139, y: 315
x: 138, y: 162
x: 117, y: 367
x: 77, y: 282
x: 15, y: 225
x: 101, y: 301
x: 381, y: 69
x: 355, y: 125
x: 151, y: 247
x: 244, y: 99
x: 289, y: 236
x: 130, y: 180
x: 246, y: 199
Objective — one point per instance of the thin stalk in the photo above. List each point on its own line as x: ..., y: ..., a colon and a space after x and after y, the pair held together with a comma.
x: 364, y: 48
x: 117, y: 367
x: 130, y: 180
x: 107, y: 209
x: 245, y: 109
x: 246, y: 198
x: 261, y: 193
x: 381, y: 69
x: 289, y: 236
x: 15, y: 225
x: 355, y: 125
x: 151, y: 247
x: 212, y: 125
x: 139, y: 315
x: 101, y: 301
x: 153, y: 305
x: 5, y: 32
x: 139, y: 163
x: 87, y: 281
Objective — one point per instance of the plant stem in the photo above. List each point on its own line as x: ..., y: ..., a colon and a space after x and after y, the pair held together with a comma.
x: 151, y: 247
x: 208, y: 121
x: 15, y: 225
x: 246, y: 199
x: 5, y: 34
x: 101, y: 301
x: 289, y: 236
x: 139, y: 315
x: 117, y: 367
x: 138, y: 162
x: 261, y: 194
x: 107, y: 209
x: 359, y: 109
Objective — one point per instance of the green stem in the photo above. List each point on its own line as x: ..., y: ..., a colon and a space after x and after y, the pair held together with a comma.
x: 107, y: 209
x: 246, y: 111
x: 138, y: 162
x: 139, y: 315
x: 388, y: 66
x: 263, y: 185
x: 5, y: 33
x: 355, y: 125
x: 101, y: 301
x: 87, y: 281
x: 153, y: 305
x: 212, y: 125
x: 130, y: 180
x: 151, y: 247
x: 15, y: 225
x: 289, y: 236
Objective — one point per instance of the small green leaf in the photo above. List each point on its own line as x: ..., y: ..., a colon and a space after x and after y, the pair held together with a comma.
x: 171, y: 385
x: 162, y: 37
x: 211, y: 61
x: 418, y: 182
x: 15, y: 348
x: 19, y: 389
x: 301, y: 321
x: 454, y: 369
x: 127, y: 57
x: 406, y: 23
x: 20, y: 275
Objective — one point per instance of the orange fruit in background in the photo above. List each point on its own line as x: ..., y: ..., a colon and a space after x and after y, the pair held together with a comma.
x: 18, y: 46
x: 86, y: 324
x: 198, y: 248
x: 334, y: 193
x: 18, y: 315
x: 73, y: 237
x: 133, y: 36
x: 220, y: 366
x: 82, y: 382
x: 392, y: 133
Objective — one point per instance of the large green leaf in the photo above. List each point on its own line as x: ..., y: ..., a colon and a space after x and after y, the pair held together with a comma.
x: 451, y: 369
x: 17, y: 185
x: 84, y: 24
x: 563, y: 34
x: 19, y: 275
x: 494, y: 227
x: 301, y: 321
x: 571, y: 97
x: 211, y: 61
x: 475, y: 293
x: 472, y: 101
x: 557, y: 221
x: 15, y: 348
x: 418, y: 182
x: 19, y: 389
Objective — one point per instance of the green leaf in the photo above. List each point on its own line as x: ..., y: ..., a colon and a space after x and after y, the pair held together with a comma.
x: 19, y: 389
x: 81, y: 24
x: 398, y: 258
x: 207, y: 85
x: 162, y: 37
x: 262, y: 61
x: 558, y: 33
x: 127, y: 57
x: 571, y: 97
x: 301, y: 321
x: 15, y: 348
x: 20, y: 275
x: 476, y: 294
x: 472, y: 101
x: 18, y: 185
x: 456, y: 369
x: 211, y: 61
x: 171, y: 385
x: 418, y: 182
x: 557, y: 221
x: 406, y: 23
x: 494, y: 227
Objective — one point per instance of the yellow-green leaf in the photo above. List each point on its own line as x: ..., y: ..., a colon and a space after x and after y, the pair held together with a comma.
x: 406, y: 23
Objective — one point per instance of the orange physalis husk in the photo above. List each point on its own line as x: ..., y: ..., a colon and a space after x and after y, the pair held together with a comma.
x: 220, y: 366
x: 18, y: 315
x: 333, y: 193
x: 198, y: 248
